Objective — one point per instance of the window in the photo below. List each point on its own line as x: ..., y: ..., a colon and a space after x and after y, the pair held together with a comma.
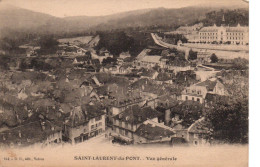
x: 92, y: 126
x: 126, y: 133
x: 192, y: 98
x: 186, y: 97
x: 198, y: 100
x: 120, y: 123
x: 98, y: 118
x: 126, y: 125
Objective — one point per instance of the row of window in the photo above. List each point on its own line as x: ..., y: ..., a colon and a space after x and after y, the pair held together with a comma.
x: 96, y: 119
x: 222, y: 33
x: 235, y: 33
x: 126, y: 125
x: 123, y: 132
x: 95, y: 126
x: 208, y: 38
x: 193, y: 99
x: 208, y: 33
x: 193, y: 91
x: 234, y: 38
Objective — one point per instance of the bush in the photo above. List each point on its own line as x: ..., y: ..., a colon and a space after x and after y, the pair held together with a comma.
x: 192, y: 55
x: 213, y: 58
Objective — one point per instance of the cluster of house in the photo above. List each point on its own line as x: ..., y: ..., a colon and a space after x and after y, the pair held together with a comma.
x: 238, y: 35
x: 90, y: 98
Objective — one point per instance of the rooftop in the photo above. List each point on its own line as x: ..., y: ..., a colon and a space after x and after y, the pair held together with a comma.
x: 137, y: 115
x: 29, y: 133
x: 153, y: 131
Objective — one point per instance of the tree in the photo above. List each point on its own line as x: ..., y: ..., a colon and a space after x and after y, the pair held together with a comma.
x: 115, y: 42
x: 48, y: 44
x: 109, y: 60
x: 213, y: 58
x: 229, y: 121
x: 192, y: 55
x: 240, y: 63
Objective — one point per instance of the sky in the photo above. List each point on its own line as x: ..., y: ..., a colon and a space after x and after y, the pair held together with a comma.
x: 63, y: 8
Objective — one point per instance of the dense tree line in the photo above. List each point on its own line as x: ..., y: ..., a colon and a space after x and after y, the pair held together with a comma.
x: 232, y: 17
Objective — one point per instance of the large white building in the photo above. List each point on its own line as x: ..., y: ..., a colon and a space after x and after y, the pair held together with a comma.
x: 225, y: 34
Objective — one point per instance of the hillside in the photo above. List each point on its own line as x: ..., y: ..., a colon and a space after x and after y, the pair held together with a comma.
x: 13, y: 19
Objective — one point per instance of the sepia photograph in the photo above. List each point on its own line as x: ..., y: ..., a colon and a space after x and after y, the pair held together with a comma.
x: 124, y: 83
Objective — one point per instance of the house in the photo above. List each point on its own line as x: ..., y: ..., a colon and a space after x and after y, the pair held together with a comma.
x: 165, y: 104
x: 153, y: 132
x: 81, y: 59
x: 148, y: 73
x: 31, y: 53
x: 124, y: 55
x: 211, y: 99
x: 198, y: 91
x: 109, y: 68
x: 83, y: 123
x: 197, y: 133
x: 81, y: 51
x: 60, y: 52
x: 41, y: 133
x: 149, y: 61
x: 203, y: 56
x: 164, y: 77
x: 22, y: 94
x: 125, y: 69
x: 190, y: 32
x: 127, y: 122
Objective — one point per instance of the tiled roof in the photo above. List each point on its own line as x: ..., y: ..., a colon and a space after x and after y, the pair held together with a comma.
x: 152, y: 59
x: 30, y: 133
x: 200, y: 126
x: 136, y: 115
x: 153, y: 132
x: 214, y: 97
x: 210, y: 85
x: 210, y: 29
x: 83, y: 114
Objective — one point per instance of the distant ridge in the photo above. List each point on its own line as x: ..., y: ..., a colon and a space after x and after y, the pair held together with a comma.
x: 18, y: 19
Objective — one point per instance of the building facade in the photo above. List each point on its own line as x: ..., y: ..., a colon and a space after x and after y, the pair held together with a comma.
x: 224, y: 34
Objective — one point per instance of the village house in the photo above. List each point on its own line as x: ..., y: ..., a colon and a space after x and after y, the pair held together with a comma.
x: 153, y: 132
x: 203, y: 57
x: 149, y: 61
x: 83, y: 123
x: 165, y: 104
x: 198, y: 91
x: 197, y: 133
x: 37, y: 133
x: 127, y: 122
x: 190, y: 32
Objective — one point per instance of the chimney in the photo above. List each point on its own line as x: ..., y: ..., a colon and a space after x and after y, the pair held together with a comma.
x: 140, y: 118
x: 165, y: 133
x: 145, y: 134
x: 43, y: 125
x: 20, y: 134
